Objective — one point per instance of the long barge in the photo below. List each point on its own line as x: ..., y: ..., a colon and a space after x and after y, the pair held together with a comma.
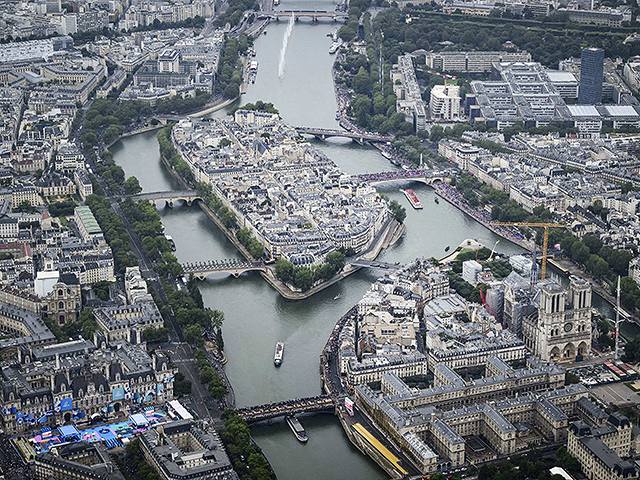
x: 296, y: 428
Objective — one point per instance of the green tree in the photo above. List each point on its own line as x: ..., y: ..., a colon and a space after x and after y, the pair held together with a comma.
x: 335, y: 260
x: 193, y: 334
x: 398, y: 212
x: 284, y: 270
x: 304, y: 278
x: 132, y: 186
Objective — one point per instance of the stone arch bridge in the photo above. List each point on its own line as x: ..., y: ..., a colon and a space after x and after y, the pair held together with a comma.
x: 426, y: 177
x: 202, y: 270
x: 314, y: 15
x: 324, y: 133
x: 188, y: 196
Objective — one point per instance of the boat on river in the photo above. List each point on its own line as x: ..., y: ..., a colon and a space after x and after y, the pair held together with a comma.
x: 413, y: 200
x: 296, y: 428
x: 334, y: 47
x: 337, y: 297
x: 447, y: 248
x: 277, y: 358
x: 172, y: 244
x: 436, y: 199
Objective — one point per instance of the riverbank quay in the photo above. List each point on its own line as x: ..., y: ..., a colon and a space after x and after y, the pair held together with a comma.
x: 451, y: 195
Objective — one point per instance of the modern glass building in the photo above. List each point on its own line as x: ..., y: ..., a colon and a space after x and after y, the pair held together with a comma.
x: 590, y: 92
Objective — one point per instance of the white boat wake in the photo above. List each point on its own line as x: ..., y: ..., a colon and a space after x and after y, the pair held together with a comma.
x: 283, y: 49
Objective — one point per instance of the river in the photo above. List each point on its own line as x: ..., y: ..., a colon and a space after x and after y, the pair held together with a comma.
x: 256, y: 317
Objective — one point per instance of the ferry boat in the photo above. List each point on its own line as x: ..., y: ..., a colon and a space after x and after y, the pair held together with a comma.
x: 253, y: 71
x: 277, y: 359
x: 172, y: 244
x: 413, y: 200
x: 296, y: 428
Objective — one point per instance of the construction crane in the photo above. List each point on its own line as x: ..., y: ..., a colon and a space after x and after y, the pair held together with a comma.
x: 545, y: 241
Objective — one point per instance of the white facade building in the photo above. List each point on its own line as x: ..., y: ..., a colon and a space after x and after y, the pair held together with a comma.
x: 445, y: 102
x: 470, y: 270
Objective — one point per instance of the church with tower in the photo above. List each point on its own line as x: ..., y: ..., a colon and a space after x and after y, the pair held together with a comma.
x: 559, y: 325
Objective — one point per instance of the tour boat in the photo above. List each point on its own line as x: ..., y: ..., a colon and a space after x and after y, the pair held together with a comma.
x: 296, y: 428
x: 411, y: 196
x: 172, y: 244
x: 277, y: 359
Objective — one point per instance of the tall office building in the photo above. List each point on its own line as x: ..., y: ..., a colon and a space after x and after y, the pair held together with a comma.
x: 592, y: 63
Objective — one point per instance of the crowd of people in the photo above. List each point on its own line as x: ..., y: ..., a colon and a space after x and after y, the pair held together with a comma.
x: 299, y: 405
x: 11, y: 464
x: 378, y: 177
x: 452, y: 195
x: 330, y: 354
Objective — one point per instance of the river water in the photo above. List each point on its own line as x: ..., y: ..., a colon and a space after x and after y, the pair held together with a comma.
x: 256, y: 316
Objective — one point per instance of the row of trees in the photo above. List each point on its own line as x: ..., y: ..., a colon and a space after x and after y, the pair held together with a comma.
x: 168, y: 152
x: 177, y: 104
x: 246, y: 238
x: 259, y: 106
x: 229, y: 76
x: 103, y: 123
x: 209, y: 376
x: 146, y: 224
x: 305, y: 277
x: 246, y: 457
x: 226, y: 216
x: 115, y: 232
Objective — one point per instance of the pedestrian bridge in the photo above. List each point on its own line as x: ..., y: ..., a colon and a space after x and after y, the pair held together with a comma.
x: 202, y: 270
x: 188, y: 196
x: 324, y: 133
x: 288, y: 407
x: 314, y: 15
x: 428, y: 177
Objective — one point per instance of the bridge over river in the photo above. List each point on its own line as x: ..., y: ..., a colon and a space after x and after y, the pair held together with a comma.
x: 428, y: 177
x: 314, y: 15
x: 324, y: 133
x: 202, y: 270
x: 171, y: 196
x: 287, y: 407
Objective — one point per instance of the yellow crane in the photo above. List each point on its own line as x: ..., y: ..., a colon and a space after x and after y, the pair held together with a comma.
x: 545, y: 241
